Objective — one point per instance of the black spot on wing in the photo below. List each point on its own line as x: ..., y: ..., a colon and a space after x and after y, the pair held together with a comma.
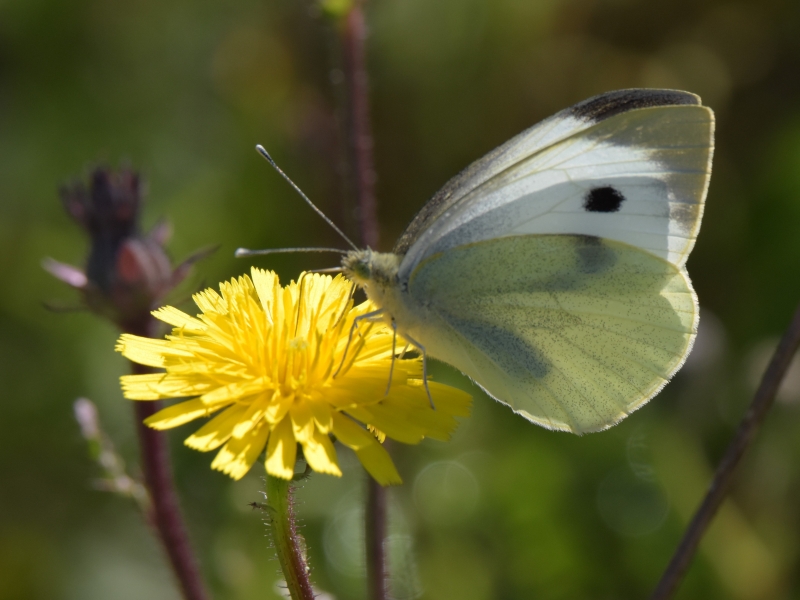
x: 603, y: 199
x: 613, y: 103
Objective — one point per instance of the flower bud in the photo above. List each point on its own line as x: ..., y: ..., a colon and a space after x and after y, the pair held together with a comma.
x: 127, y: 273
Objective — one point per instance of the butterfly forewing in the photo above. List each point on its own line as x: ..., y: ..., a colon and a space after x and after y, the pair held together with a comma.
x: 638, y: 176
x: 565, y: 124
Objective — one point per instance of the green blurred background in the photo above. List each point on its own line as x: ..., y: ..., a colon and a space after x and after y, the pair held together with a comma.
x: 184, y: 90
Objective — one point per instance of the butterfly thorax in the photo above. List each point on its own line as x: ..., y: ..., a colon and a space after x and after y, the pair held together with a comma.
x: 377, y: 274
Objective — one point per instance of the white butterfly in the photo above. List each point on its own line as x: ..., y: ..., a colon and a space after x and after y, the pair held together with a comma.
x: 552, y: 271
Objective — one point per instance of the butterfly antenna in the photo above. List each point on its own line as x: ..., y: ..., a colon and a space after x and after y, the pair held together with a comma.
x: 270, y: 160
x: 242, y: 252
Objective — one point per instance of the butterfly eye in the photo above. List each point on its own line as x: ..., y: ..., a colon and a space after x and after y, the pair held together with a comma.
x: 362, y: 269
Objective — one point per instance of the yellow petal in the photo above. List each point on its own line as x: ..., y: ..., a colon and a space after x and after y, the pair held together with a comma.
x: 278, y: 406
x: 178, y: 414
x: 448, y: 399
x: 178, y: 318
x: 238, y: 455
x: 282, y: 450
x: 333, y: 303
x: 264, y: 282
x: 322, y: 414
x: 405, y: 414
x: 398, y: 429
x: 320, y: 454
x: 354, y: 392
x: 379, y: 435
x: 147, y: 351
x: 209, y: 301
x: 302, y: 421
x: 235, y: 391
x: 414, y: 406
x: 204, y: 368
x: 217, y: 431
x: 373, y: 456
x: 252, y: 417
x: 157, y: 386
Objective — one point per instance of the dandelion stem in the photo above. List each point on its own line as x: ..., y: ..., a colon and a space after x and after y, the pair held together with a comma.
x: 721, y: 483
x: 288, y: 543
x: 165, y: 515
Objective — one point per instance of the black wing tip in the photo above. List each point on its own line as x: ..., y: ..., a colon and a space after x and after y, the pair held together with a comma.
x: 610, y: 104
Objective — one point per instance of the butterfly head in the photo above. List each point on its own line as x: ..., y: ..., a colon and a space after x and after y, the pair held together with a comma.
x: 357, y: 266
x: 371, y: 270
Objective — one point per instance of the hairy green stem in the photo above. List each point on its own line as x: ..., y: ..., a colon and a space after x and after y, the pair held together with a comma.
x: 288, y: 543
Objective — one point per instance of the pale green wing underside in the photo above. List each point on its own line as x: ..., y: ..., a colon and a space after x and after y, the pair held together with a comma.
x: 572, y: 332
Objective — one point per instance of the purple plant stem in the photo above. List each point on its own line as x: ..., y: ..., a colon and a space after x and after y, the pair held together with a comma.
x: 165, y: 514
x: 721, y: 483
x: 354, y: 33
x: 375, y: 530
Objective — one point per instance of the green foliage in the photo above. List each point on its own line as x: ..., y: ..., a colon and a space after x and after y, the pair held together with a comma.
x: 184, y: 90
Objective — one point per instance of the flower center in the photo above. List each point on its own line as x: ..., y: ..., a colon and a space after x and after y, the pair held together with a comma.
x: 298, y: 344
x: 297, y: 376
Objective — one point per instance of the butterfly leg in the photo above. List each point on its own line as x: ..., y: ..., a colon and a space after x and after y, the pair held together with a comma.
x: 394, y: 357
x: 370, y: 316
x: 421, y: 348
x: 403, y: 353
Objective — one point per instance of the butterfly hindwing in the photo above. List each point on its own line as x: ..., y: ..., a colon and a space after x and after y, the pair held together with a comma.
x: 587, y: 333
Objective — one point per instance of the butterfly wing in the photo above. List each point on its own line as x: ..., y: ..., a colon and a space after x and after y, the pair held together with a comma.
x: 631, y: 165
x: 552, y: 270
x: 573, y: 332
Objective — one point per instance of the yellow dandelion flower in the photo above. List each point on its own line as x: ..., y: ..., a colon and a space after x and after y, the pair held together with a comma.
x: 267, y: 357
